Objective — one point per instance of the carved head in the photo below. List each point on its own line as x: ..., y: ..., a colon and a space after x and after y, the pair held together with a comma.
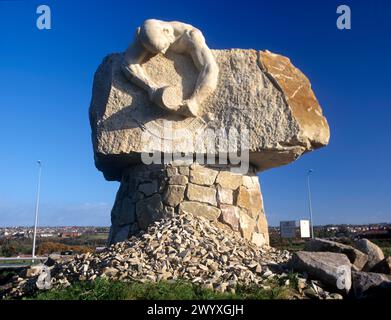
x: 156, y: 35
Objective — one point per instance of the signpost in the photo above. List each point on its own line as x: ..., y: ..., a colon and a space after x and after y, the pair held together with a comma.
x: 305, y: 229
x: 288, y: 229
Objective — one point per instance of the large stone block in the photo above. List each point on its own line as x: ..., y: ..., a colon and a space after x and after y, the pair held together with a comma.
x: 201, y: 194
x: 200, y: 210
x: 356, y: 257
x: 374, y: 253
x: 257, y: 90
x: 333, y: 269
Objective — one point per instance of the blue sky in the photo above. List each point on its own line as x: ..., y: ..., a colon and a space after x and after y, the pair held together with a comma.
x: 45, y: 90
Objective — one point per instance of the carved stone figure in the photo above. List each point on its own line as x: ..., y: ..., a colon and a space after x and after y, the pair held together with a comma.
x: 156, y: 36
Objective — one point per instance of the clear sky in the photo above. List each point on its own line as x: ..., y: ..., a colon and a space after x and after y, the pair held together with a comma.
x: 45, y: 90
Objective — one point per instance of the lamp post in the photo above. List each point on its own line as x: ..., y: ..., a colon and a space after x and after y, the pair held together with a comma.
x: 37, y: 206
x: 310, y: 202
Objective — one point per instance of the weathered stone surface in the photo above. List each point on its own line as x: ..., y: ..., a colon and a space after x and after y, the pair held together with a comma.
x: 258, y: 239
x: 126, y: 213
x: 298, y: 93
x: 179, y: 180
x: 225, y: 196
x: 34, y: 271
x: 201, y: 175
x: 149, y: 210
x: 184, y: 170
x: 383, y: 266
x: 199, y: 210
x: 356, y: 257
x: 250, y: 200
x: 173, y: 187
x: 230, y: 216
x: 247, y: 226
x: 174, y: 195
x: 148, y: 188
x: 371, y: 285
x: 229, y: 180
x: 262, y: 226
x: 256, y: 90
x: 251, y: 182
x: 202, y: 194
x: 333, y: 269
x: 374, y: 253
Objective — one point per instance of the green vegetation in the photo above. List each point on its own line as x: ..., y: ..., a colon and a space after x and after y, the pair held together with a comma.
x: 102, y: 289
x: 384, y: 244
x: 11, y: 247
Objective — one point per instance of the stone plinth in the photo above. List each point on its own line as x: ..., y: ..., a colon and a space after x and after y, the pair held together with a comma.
x: 150, y: 192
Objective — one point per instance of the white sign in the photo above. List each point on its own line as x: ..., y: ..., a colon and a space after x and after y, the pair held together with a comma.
x: 288, y: 229
x: 305, y: 228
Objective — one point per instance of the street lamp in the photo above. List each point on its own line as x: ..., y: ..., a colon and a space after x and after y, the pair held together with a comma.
x: 37, y: 205
x: 310, y: 202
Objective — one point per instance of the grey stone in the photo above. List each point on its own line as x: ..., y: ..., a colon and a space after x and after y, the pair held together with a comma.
x: 148, y: 188
x: 118, y: 233
x: 371, y: 285
x: 333, y: 269
x: 356, y: 257
x: 383, y: 266
x: 149, y: 210
x: 127, y: 215
x: 374, y: 253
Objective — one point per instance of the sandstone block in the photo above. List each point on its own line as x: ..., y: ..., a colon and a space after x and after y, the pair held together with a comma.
x: 258, y: 239
x: 202, y: 194
x: 229, y: 180
x: 250, y: 199
x: 224, y: 196
x: 199, y: 209
x: 174, y: 195
x: 230, y: 216
x: 247, y: 226
x: 201, y: 175
x: 179, y: 180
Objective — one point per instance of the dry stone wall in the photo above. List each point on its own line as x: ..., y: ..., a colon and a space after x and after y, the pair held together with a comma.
x: 230, y: 200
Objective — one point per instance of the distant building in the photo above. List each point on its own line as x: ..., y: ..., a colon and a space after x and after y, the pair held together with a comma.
x: 69, y: 234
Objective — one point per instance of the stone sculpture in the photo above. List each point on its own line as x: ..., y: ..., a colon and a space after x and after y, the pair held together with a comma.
x: 156, y: 36
x: 258, y: 95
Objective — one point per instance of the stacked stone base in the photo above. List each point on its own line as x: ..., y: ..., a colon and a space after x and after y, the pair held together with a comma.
x: 150, y: 192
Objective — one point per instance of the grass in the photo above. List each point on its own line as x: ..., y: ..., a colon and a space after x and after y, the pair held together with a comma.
x: 103, y: 289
